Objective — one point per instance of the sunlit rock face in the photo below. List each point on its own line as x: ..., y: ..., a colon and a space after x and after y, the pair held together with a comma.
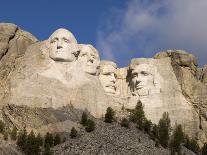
x: 46, y: 78
x: 63, y: 46
x: 88, y: 58
x: 107, y: 76
x: 47, y: 73
x: 154, y: 83
x: 59, y: 72
x: 121, y: 82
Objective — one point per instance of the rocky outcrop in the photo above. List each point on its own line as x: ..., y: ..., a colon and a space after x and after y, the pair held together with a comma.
x: 13, y: 44
x: 153, y: 82
x: 192, y: 82
x: 203, y: 75
x: 42, y: 83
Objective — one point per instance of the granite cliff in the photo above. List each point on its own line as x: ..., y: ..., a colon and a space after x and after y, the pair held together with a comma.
x: 46, y: 84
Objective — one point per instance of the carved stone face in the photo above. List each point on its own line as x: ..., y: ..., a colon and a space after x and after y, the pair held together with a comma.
x: 107, y: 77
x: 142, y: 79
x: 63, y: 46
x: 89, y: 59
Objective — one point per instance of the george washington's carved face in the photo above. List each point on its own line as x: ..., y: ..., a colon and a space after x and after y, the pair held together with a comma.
x: 63, y: 46
x: 89, y: 59
x: 142, y: 79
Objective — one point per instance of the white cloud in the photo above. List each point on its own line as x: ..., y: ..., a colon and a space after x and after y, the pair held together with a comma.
x: 145, y: 27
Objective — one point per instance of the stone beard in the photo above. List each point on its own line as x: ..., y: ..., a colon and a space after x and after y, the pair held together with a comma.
x: 63, y: 46
x: 143, y: 80
x: 107, y: 76
x: 89, y: 59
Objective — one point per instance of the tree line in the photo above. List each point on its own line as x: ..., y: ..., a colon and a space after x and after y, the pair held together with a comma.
x: 161, y: 133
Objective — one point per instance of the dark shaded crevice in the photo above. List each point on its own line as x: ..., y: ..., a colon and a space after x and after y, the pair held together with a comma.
x: 10, y: 38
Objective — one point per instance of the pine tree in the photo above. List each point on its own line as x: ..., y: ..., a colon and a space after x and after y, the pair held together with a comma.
x: 14, y: 133
x: 39, y: 140
x: 204, y: 149
x: 164, y: 129
x: 109, y: 116
x: 47, y: 150
x: 57, y: 139
x: 32, y: 146
x: 137, y: 115
x: 177, y: 139
x: 73, y: 133
x: 154, y: 133
x: 147, y: 125
x: 84, y: 119
x: 2, y: 126
x: 90, y: 125
x: 22, y: 139
x: 125, y: 123
x: 49, y: 139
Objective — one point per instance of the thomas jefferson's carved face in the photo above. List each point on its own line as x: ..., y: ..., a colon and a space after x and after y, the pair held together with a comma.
x: 108, y: 78
x: 63, y: 46
x: 142, y: 79
x: 89, y: 59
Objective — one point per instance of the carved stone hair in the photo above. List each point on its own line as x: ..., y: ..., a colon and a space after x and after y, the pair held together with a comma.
x: 104, y: 63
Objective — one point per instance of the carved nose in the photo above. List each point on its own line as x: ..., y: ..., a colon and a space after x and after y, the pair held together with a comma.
x: 59, y: 45
x: 113, y: 79
x: 137, y: 81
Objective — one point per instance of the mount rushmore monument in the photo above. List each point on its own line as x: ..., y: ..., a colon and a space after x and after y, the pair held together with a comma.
x: 40, y: 81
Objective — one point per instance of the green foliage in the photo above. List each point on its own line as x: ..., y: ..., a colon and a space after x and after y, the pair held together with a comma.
x: 84, y: 119
x: 39, y: 140
x: 164, y: 129
x: 2, y: 126
x: 73, y: 132
x: 204, y: 149
x: 90, y: 125
x: 154, y: 132
x: 125, y: 123
x: 137, y: 115
x: 22, y: 139
x: 57, y: 139
x: 191, y: 144
x: 147, y: 125
x: 177, y: 139
x: 47, y: 150
x: 49, y: 139
x: 109, y: 116
x: 32, y: 146
x: 13, y: 133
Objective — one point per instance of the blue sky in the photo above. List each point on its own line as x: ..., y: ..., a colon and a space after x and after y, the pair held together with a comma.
x: 119, y: 29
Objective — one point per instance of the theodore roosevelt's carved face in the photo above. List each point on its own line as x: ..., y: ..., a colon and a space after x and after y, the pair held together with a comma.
x: 107, y: 77
x: 63, y: 46
x: 142, y: 79
x: 89, y: 59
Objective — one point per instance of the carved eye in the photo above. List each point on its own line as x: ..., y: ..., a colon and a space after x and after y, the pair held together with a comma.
x: 83, y: 54
x: 134, y: 75
x: 144, y: 73
x: 107, y: 73
x: 53, y: 40
x: 66, y: 40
